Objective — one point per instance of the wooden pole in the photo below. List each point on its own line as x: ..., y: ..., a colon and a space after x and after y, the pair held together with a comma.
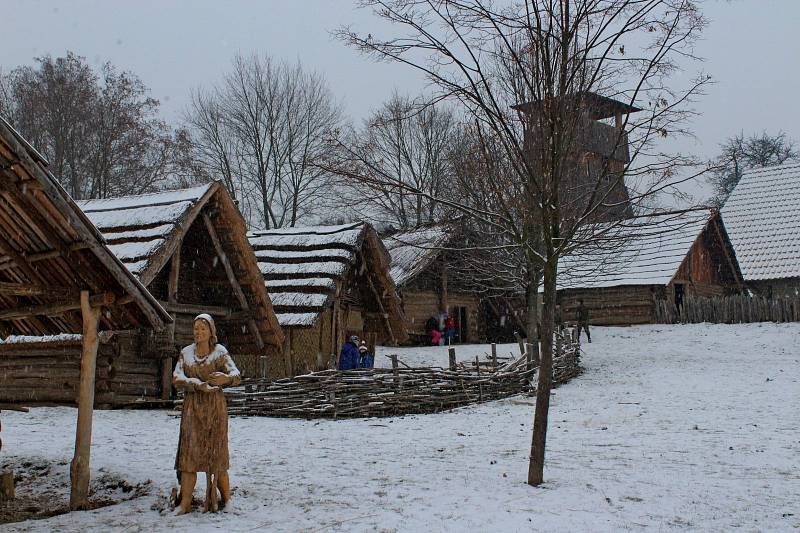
x: 451, y: 352
x: 7, y: 486
x: 494, y: 355
x: 79, y: 468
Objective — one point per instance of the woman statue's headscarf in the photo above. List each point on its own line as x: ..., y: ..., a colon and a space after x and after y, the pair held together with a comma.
x: 212, y: 340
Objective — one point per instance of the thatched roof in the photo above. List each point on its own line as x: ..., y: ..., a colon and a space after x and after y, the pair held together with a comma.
x: 304, y: 267
x: 50, y: 251
x: 144, y: 231
x: 413, y: 251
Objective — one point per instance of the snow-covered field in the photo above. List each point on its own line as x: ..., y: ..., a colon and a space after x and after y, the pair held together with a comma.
x: 670, y: 428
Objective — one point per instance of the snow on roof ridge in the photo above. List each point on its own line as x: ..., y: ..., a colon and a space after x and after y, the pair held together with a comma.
x: 166, y: 197
x: 307, y: 230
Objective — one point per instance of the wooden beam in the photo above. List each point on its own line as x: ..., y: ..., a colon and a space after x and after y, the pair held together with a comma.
x: 196, y: 309
x: 50, y: 254
x: 30, y: 289
x: 237, y: 289
x: 387, y: 324
x: 55, y: 309
x: 174, y: 272
x: 79, y: 468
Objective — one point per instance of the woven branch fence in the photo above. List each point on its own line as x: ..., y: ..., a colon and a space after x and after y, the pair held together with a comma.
x: 398, y: 391
x: 733, y: 309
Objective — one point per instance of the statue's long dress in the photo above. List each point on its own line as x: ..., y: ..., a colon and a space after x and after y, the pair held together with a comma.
x: 203, y: 444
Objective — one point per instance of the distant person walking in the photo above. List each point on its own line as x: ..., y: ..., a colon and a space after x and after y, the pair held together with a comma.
x: 583, y: 320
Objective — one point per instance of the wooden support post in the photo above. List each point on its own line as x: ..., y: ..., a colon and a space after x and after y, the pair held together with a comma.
x: 174, y: 274
x: 79, y: 468
x: 520, y: 342
x: 166, y: 378
x: 451, y: 352
x: 395, y: 370
x: 494, y: 355
x: 480, y: 385
x: 262, y: 367
x: 7, y: 486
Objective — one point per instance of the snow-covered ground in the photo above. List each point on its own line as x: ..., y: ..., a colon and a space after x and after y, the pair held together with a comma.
x: 670, y: 428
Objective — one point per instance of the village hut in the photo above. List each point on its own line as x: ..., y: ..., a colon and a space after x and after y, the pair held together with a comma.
x: 58, y: 277
x: 636, y: 264
x: 189, y: 248
x: 761, y: 216
x: 326, y: 284
x: 422, y: 270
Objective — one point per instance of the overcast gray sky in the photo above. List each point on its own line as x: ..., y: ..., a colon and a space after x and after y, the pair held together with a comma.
x: 752, y: 49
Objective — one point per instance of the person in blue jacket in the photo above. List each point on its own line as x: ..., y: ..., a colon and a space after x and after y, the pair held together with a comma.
x: 348, y: 357
x: 366, y: 359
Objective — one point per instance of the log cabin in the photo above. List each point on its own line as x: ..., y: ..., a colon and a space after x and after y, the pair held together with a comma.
x: 635, y: 263
x: 189, y: 249
x: 761, y: 216
x: 326, y: 284
x: 428, y: 287
x: 58, y: 278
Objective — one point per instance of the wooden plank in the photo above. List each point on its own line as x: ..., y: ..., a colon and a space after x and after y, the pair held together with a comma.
x: 237, y: 289
x: 79, y: 468
x: 31, y: 289
x: 174, y: 273
x: 104, y: 299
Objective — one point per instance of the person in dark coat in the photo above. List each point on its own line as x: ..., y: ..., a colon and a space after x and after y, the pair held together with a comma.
x: 431, y: 326
x: 348, y: 357
x: 366, y: 359
x: 583, y: 320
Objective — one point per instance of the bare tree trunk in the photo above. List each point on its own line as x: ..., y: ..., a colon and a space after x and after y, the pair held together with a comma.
x: 536, y: 465
x: 534, y: 281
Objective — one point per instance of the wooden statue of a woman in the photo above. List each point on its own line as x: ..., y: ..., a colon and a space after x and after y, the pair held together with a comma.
x: 202, y: 370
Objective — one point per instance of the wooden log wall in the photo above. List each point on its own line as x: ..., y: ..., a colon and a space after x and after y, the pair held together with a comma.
x: 612, y: 306
x: 731, y: 309
x: 49, y: 373
x: 419, y: 306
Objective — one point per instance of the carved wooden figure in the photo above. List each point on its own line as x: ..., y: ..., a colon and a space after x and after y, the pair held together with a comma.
x: 202, y: 370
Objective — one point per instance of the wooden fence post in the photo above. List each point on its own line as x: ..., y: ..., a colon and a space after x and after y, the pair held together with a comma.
x: 521, y: 343
x: 494, y: 356
x: 451, y: 352
x: 262, y: 366
x: 79, y: 468
x: 7, y: 486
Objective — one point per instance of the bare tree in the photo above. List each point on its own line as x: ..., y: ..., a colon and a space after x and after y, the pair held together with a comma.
x: 739, y: 153
x: 406, y: 142
x: 263, y: 130
x: 100, y: 131
x: 530, y: 77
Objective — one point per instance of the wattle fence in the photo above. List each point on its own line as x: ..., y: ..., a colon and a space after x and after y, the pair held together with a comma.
x: 733, y: 309
x: 399, y: 391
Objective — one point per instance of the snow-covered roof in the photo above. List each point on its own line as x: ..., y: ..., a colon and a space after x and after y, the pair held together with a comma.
x: 136, y: 228
x: 638, y: 251
x: 412, y: 251
x: 761, y: 216
x: 302, y: 268
x: 144, y: 231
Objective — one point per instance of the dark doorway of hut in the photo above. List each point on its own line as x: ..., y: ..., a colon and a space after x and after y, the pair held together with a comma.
x: 678, y: 296
x: 462, y: 331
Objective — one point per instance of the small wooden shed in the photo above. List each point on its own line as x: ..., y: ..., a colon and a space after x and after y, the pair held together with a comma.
x: 427, y: 288
x: 189, y: 248
x: 57, y: 276
x: 643, y: 260
x: 327, y: 283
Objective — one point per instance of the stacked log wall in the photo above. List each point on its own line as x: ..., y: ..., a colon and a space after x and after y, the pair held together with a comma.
x: 612, y: 306
x: 49, y: 373
x: 420, y: 305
